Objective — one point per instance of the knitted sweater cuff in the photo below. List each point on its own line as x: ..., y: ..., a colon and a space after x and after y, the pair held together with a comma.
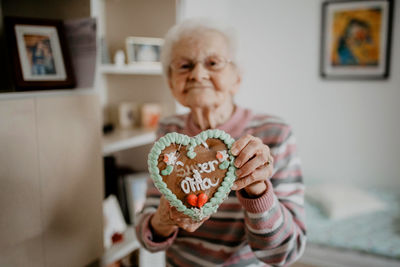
x: 148, y: 236
x: 260, y: 204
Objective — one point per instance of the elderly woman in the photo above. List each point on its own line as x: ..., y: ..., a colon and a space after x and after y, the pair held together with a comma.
x: 262, y: 221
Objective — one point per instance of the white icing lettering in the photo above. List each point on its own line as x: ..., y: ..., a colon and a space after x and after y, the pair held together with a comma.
x: 207, y: 183
x: 185, y: 186
x: 215, y: 184
x: 210, y: 163
x: 196, y: 183
x: 199, y: 165
x: 206, y: 167
x: 179, y: 171
x: 192, y: 184
x: 198, y: 180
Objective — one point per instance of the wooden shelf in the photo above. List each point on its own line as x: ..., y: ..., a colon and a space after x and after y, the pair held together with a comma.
x: 135, y: 69
x: 47, y: 93
x: 121, y: 139
x: 119, y: 250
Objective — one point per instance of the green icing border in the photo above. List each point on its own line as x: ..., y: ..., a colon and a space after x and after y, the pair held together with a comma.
x: 222, y: 192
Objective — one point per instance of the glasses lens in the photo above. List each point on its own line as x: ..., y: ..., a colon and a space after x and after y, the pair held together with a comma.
x: 182, y: 66
x: 214, y: 63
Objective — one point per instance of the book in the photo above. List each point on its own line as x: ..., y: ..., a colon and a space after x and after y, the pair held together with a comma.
x: 136, y: 186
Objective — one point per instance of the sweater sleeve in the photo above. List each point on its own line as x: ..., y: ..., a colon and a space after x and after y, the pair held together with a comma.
x: 143, y: 230
x: 275, y: 221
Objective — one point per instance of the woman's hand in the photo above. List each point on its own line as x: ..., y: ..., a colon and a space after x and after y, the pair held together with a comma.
x: 255, y: 165
x: 167, y: 219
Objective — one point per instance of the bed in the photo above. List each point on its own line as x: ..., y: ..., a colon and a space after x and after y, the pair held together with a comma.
x: 370, y: 239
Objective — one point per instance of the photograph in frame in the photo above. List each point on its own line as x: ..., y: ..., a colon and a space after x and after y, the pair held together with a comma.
x: 355, y: 41
x: 144, y: 50
x: 39, y: 54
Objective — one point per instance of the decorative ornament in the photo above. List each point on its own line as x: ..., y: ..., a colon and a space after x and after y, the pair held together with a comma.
x: 222, y: 156
x: 170, y: 160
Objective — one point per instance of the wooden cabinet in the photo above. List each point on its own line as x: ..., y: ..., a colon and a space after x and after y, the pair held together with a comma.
x: 117, y: 21
x: 51, y: 168
x: 51, y: 181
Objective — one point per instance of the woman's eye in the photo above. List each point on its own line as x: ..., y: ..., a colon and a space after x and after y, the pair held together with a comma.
x: 213, y: 63
x: 185, y: 66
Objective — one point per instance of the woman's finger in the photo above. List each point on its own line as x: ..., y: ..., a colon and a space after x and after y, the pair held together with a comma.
x: 259, y: 174
x: 240, y: 144
x: 260, y: 159
x: 249, y: 151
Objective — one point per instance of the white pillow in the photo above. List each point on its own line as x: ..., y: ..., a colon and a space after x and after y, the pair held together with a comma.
x: 339, y: 201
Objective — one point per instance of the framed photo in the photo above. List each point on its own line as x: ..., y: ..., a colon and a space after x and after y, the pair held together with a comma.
x: 355, y: 39
x: 39, y: 54
x: 125, y: 114
x: 144, y: 50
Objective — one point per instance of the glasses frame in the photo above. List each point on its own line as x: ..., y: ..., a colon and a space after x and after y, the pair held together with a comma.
x: 195, y: 62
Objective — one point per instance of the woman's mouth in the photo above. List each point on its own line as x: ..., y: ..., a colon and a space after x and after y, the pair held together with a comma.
x: 191, y: 88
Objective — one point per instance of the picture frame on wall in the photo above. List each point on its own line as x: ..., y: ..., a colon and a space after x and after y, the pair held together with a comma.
x: 355, y: 39
x: 39, y: 54
x: 144, y: 50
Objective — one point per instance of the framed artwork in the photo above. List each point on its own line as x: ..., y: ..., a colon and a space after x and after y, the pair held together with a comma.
x: 144, y: 50
x: 39, y: 54
x: 355, y: 39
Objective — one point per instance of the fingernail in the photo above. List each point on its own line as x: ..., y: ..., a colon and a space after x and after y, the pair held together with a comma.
x: 237, y: 163
x: 234, y: 151
x: 234, y: 187
x: 238, y: 173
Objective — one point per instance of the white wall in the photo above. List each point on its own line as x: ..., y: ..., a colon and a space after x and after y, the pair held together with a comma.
x: 346, y: 130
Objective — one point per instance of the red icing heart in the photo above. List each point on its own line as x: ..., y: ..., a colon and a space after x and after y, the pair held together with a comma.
x: 202, y: 199
x: 197, y: 201
x: 192, y: 199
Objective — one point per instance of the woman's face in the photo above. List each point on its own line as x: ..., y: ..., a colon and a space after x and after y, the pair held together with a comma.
x: 202, y: 85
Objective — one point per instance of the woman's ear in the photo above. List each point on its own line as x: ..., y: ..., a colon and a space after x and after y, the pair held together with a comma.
x: 237, y: 82
x: 169, y: 83
x: 239, y: 78
x: 169, y: 79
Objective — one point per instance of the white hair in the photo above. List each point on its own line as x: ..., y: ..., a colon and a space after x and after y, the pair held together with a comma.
x: 193, y: 26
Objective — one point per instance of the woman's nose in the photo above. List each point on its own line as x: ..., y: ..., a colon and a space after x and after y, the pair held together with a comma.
x: 199, y: 72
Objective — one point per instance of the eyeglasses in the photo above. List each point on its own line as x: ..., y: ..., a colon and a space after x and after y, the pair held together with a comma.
x: 211, y: 63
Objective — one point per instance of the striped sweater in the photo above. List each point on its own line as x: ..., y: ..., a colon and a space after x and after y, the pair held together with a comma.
x: 266, y: 231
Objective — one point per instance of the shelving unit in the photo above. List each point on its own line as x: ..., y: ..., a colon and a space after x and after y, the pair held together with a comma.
x: 135, y: 83
x: 121, y: 139
x: 132, y: 69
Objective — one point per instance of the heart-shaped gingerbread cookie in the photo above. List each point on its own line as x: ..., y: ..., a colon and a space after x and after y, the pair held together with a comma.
x: 195, y: 174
